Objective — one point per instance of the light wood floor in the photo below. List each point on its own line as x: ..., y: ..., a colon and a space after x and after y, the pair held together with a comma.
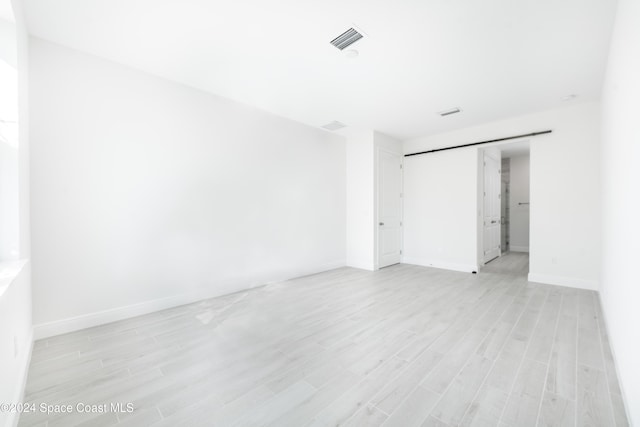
x: 404, y: 346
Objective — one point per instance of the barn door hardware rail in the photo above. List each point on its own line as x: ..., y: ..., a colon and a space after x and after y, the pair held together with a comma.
x: 480, y: 143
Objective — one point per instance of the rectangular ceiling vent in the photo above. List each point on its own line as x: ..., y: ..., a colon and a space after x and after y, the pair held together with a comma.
x: 334, y: 125
x: 346, y: 39
x: 449, y: 112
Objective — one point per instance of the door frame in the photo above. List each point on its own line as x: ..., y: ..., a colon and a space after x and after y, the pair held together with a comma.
x: 376, y: 201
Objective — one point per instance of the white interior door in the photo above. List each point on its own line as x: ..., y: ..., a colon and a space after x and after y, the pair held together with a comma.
x: 389, y: 208
x: 491, y: 215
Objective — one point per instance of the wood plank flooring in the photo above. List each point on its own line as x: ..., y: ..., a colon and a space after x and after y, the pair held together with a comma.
x: 404, y: 346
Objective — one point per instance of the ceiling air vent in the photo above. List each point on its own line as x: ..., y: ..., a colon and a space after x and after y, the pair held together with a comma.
x: 334, y: 126
x: 449, y: 112
x: 346, y: 39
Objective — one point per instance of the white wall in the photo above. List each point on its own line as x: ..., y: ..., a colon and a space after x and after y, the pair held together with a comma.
x: 147, y: 194
x: 620, y: 290
x: 519, y: 214
x: 440, y: 209
x: 565, y: 190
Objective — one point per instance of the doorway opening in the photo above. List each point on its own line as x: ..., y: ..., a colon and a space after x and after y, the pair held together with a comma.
x: 505, y: 208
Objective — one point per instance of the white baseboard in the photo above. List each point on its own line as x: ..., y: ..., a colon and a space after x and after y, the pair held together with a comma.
x: 467, y: 268
x: 570, y: 282
x: 519, y: 248
x: 71, y: 324
x: 14, y: 418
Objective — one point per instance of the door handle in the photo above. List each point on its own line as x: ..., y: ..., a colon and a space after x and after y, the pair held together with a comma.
x: 494, y: 221
x: 382, y: 223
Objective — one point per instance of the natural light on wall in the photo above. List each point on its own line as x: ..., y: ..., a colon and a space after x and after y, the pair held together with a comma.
x: 8, y: 143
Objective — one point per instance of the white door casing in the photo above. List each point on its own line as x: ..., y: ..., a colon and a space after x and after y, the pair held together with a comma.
x: 491, y: 208
x: 389, y: 208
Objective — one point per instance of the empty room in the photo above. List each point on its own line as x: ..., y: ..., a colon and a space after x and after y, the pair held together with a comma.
x: 304, y: 213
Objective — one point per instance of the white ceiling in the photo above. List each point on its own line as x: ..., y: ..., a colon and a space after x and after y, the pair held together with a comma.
x: 491, y: 58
